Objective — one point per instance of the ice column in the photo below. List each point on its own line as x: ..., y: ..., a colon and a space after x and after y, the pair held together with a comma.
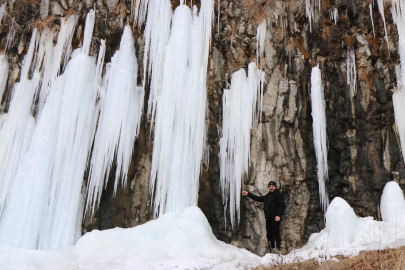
x: 16, y: 131
x: 260, y: 38
x: 320, y: 136
x: 392, y: 203
x: 240, y: 111
x: 119, y: 121
x: 44, y: 203
x: 351, y: 70
x: 181, y: 102
x: 156, y: 35
x: 341, y: 223
x: 3, y: 74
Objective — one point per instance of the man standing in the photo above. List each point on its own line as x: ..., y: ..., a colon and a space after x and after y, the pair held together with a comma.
x: 274, y: 207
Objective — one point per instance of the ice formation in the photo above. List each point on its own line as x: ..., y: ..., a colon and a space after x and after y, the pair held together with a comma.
x: 341, y: 222
x: 44, y: 204
x: 380, y: 4
x: 118, y: 125
x: 334, y: 15
x: 370, y: 6
x: 3, y: 74
x: 351, y: 70
x: 240, y: 111
x: 310, y: 8
x: 174, y: 241
x: 260, y: 38
x: 139, y: 8
x: 392, y: 203
x: 181, y: 102
x: 156, y: 33
x: 320, y: 136
x: 2, y: 12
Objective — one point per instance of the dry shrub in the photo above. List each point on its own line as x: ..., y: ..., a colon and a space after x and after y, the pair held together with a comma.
x: 388, y: 259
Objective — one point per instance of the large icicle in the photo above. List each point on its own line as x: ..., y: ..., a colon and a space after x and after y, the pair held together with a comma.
x: 180, y: 122
x: 240, y: 105
x: 260, y: 38
x: 43, y: 205
x: 119, y: 120
x: 156, y: 35
x: 15, y: 134
x: 139, y: 8
x: 320, y: 137
x: 310, y: 7
x: 371, y: 16
x: 380, y: 4
x: 351, y: 70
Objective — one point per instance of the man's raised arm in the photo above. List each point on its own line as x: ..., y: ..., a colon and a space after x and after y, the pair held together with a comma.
x: 254, y: 197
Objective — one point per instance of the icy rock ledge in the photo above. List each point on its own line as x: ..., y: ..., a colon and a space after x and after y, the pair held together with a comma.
x: 177, y: 241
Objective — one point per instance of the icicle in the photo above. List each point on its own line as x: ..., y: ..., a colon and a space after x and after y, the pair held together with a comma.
x: 56, y: 56
x: 310, y: 12
x: 44, y: 9
x: 44, y: 202
x: 341, y: 223
x: 119, y: 121
x: 371, y: 17
x: 392, y: 203
x: 2, y: 12
x: 351, y: 70
x: 180, y: 122
x: 334, y: 15
x: 260, y: 37
x: 140, y: 7
x: 4, y: 68
x: 157, y: 31
x: 240, y: 112
x: 88, y: 32
x: 381, y: 9
x: 13, y: 134
x: 320, y: 136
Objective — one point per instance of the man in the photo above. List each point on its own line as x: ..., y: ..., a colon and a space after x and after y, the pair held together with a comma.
x: 274, y: 207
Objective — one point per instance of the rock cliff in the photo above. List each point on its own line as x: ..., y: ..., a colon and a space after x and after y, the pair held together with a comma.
x: 364, y: 148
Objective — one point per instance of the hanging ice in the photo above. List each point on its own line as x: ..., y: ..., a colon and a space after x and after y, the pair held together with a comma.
x: 351, y: 70
x: 310, y: 7
x: 392, y: 203
x: 3, y: 74
x: 260, y: 38
x: 43, y: 207
x: 181, y: 102
x: 139, y: 8
x: 380, y: 4
x: 2, y: 12
x: 341, y: 223
x: 320, y: 136
x: 118, y: 125
x: 240, y: 111
x: 371, y: 15
x: 334, y: 15
x: 156, y: 35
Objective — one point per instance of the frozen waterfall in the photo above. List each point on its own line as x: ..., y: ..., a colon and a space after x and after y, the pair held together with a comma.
x: 320, y: 136
x: 240, y: 111
x: 181, y: 102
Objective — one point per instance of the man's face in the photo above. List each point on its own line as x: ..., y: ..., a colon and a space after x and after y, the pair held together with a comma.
x: 272, y: 188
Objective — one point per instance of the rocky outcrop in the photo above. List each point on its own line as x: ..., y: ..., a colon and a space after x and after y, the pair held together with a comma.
x: 364, y: 149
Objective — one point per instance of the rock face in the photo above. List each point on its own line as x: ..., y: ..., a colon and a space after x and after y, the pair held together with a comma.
x: 364, y: 149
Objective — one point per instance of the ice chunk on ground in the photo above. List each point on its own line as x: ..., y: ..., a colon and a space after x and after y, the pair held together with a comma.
x: 174, y: 241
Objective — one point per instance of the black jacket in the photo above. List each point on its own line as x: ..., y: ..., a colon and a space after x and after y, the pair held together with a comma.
x: 273, y: 203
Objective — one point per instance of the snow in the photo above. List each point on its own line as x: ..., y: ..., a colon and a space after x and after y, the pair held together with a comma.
x: 118, y: 126
x: 181, y: 103
x: 357, y: 234
x: 351, y: 71
x: 320, y: 136
x: 392, y: 203
x: 174, y: 241
x: 240, y: 112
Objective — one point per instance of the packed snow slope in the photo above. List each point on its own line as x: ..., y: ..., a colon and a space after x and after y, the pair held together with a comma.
x: 180, y: 241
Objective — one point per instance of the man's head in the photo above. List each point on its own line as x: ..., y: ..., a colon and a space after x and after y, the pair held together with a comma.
x: 272, y: 186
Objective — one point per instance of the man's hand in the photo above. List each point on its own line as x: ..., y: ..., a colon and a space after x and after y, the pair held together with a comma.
x: 277, y: 218
x: 245, y: 193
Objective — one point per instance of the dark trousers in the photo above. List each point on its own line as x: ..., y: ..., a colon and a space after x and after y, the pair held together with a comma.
x: 273, y: 232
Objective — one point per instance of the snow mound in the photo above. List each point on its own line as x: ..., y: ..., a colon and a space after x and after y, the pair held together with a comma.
x: 392, y: 203
x: 173, y: 241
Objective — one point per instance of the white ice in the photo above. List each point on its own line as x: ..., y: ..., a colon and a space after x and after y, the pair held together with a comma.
x: 241, y: 108
x: 174, y: 241
x: 2, y: 12
x: 392, y: 204
x: 357, y: 234
x: 371, y: 16
x: 310, y: 7
x: 118, y: 125
x: 380, y: 4
x: 260, y: 38
x: 181, y: 102
x: 43, y: 205
x: 334, y: 15
x: 139, y: 8
x: 320, y: 136
x: 351, y: 71
x: 3, y: 74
